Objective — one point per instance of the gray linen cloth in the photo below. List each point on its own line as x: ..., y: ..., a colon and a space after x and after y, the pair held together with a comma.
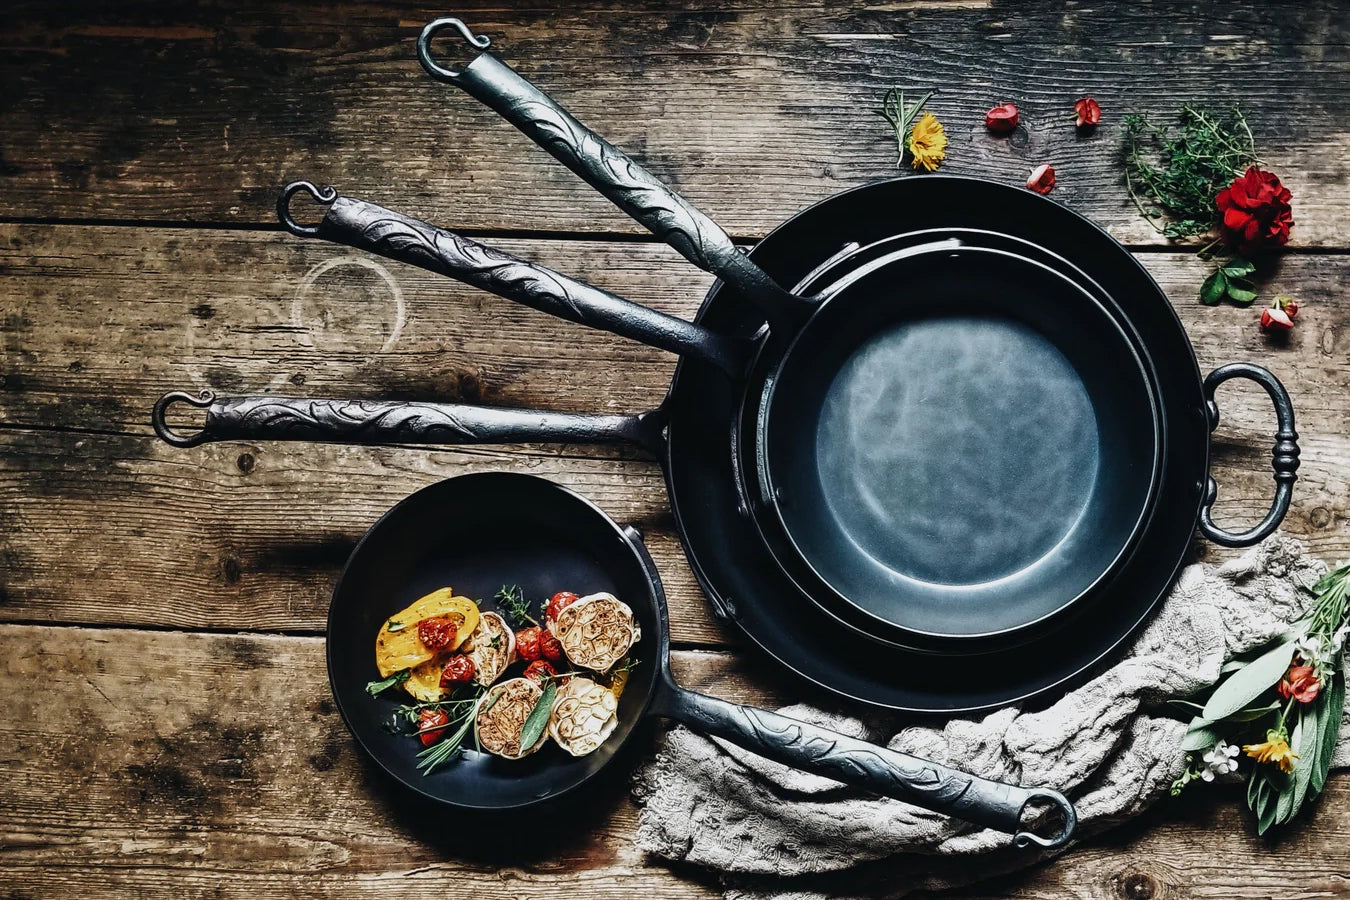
x: 1112, y: 745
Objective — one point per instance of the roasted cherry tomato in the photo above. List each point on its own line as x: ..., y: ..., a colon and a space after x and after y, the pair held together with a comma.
x: 527, y: 643
x: 549, y: 648
x: 537, y: 670
x: 429, y: 719
x: 558, y: 602
x: 439, y: 632
x: 458, y: 670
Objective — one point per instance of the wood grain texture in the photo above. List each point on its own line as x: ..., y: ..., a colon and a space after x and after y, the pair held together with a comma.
x: 101, y: 320
x: 200, y: 112
x: 126, y: 778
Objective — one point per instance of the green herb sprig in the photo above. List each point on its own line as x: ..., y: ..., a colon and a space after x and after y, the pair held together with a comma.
x: 513, y: 606
x: 1174, y: 173
x: 374, y: 688
x: 1246, y: 704
x: 902, y: 117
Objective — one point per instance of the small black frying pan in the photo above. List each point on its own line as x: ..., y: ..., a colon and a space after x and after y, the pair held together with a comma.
x: 473, y: 533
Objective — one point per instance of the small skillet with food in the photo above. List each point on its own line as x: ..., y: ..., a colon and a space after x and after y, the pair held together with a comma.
x: 476, y: 531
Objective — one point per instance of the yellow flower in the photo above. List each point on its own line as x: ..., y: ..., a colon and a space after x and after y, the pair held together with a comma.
x: 1275, y: 749
x: 928, y: 143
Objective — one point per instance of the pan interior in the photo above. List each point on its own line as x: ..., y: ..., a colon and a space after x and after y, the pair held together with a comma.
x: 476, y: 533
x: 961, y: 443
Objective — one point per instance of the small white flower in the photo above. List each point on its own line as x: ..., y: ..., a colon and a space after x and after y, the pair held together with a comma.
x: 1338, y: 639
x: 1310, y: 648
x: 1220, y: 760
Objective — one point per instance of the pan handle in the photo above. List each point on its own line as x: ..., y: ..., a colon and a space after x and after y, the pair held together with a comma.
x: 367, y: 226
x: 611, y: 172
x: 266, y: 418
x: 820, y: 751
x: 1284, y: 456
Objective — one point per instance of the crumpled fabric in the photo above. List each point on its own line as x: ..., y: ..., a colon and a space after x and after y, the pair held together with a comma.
x: 1112, y: 745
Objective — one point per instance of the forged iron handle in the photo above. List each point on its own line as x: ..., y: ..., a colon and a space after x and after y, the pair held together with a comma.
x: 266, y: 418
x: 611, y: 172
x: 368, y: 226
x: 873, y: 768
x: 1284, y: 456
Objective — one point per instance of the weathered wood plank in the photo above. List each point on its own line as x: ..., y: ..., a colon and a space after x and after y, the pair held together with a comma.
x: 163, y: 764
x: 201, y: 112
x: 99, y: 321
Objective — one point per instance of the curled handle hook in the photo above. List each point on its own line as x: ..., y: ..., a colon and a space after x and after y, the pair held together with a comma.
x: 435, y: 27
x: 159, y: 417
x: 1069, y: 820
x: 324, y: 196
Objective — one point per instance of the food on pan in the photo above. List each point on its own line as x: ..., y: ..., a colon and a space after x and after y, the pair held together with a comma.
x: 583, y: 716
x: 452, y: 657
x: 401, y: 642
x: 501, y: 718
x: 492, y: 647
x: 597, y: 631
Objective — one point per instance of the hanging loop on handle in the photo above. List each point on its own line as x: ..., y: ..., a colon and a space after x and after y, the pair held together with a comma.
x: 324, y: 196
x: 160, y: 414
x: 435, y: 27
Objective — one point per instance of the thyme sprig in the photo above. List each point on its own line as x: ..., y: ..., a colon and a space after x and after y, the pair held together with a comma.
x: 1174, y: 173
x: 513, y: 605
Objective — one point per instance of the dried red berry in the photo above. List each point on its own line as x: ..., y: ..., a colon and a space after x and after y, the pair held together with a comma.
x: 1002, y: 118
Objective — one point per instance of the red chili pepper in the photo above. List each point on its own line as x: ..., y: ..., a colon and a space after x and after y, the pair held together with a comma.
x: 558, y: 602
x: 1002, y: 118
x: 1042, y: 179
x: 428, y: 719
x: 458, y: 670
x: 538, y: 670
x: 549, y: 648
x: 438, y: 633
x: 527, y: 643
x: 1089, y: 112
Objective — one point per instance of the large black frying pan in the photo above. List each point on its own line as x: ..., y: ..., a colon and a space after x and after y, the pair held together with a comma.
x: 475, y: 532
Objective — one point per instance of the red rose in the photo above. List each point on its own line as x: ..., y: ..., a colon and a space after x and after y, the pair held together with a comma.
x: 1002, y: 118
x: 1042, y: 179
x: 1089, y: 112
x: 1256, y: 212
x: 1301, y: 683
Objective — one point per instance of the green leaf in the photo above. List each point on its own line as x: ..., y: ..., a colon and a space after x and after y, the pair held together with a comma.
x: 1213, y: 288
x: 1233, y: 665
x: 376, y: 687
x: 538, y: 717
x: 1268, y: 802
x: 1239, y: 268
x: 1331, y: 731
x: 1241, y: 291
x: 1252, y: 713
x: 1307, y: 743
x: 396, y: 626
x: 1329, y: 580
x: 1249, y: 682
x: 1200, y: 735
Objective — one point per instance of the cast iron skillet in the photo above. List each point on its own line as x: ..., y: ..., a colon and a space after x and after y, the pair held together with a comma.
x: 688, y: 433
x: 476, y: 531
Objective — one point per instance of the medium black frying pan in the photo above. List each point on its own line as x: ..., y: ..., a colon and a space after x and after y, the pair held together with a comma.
x: 475, y: 532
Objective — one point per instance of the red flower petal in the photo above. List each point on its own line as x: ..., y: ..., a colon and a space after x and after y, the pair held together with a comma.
x: 1089, y: 112
x: 1042, y: 179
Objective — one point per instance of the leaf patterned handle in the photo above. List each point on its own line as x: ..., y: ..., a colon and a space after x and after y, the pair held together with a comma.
x: 611, y: 172
x: 387, y: 422
x: 873, y: 768
x: 368, y: 226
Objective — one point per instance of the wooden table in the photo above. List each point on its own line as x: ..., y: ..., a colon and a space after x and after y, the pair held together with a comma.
x: 165, y: 724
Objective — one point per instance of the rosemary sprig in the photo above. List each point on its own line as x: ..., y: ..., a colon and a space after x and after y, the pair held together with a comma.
x: 462, y: 719
x: 513, y: 605
x: 901, y: 117
x: 1174, y: 173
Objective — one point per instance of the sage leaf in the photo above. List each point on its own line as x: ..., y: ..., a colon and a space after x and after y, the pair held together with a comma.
x: 1201, y: 735
x: 1267, y: 801
x: 1307, y: 743
x: 1252, y: 713
x: 1331, y: 730
x: 538, y: 717
x: 1249, y: 682
x: 376, y: 687
x: 1213, y: 288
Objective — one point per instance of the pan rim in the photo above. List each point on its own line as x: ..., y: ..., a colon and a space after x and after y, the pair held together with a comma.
x: 662, y: 641
x: 764, y: 423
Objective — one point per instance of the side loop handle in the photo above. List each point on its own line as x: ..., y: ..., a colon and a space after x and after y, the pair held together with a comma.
x: 159, y: 417
x: 324, y: 196
x: 1284, y: 456
x: 1068, y: 817
x: 435, y: 27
